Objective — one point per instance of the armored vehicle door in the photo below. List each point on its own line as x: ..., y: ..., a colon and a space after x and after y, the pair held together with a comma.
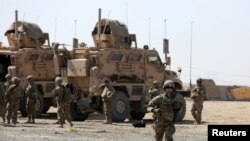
x: 154, y: 68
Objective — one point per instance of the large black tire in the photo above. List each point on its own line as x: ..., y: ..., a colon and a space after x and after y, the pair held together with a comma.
x: 75, y: 114
x: 120, y: 107
x: 39, y: 106
x: 182, y: 112
x: 136, y: 115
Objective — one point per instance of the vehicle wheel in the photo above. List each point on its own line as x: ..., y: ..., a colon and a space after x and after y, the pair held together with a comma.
x: 182, y: 112
x: 120, y: 107
x: 136, y: 115
x: 39, y: 106
x: 22, y: 106
x: 75, y: 114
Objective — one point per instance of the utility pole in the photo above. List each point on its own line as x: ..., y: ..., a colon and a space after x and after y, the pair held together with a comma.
x: 149, y: 33
x: 165, y: 29
x: 191, y: 46
x: 55, y: 28
x: 75, y: 28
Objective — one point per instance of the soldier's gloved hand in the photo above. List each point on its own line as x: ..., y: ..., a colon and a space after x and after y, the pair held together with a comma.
x: 152, y: 110
x: 149, y: 109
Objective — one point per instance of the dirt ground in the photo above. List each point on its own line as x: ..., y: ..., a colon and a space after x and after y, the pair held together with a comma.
x: 215, y: 112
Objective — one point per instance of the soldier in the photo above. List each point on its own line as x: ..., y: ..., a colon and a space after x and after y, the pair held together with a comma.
x: 32, y: 94
x: 8, y: 81
x: 153, y: 92
x: 198, y: 95
x: 60, y: 93
x: 107, y: 93
x: 166, y: 107
x: 13, y: 95
x: 2, y: 102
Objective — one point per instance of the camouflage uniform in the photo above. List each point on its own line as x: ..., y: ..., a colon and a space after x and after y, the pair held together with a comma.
x: 165, y: 107
x: 60, y: 93
x: 198, y: 95
x: 153, y: 92
x: 2, y: 102
x: 32, y: 93
x: 13, y: 95
x: 107, y: 94
x: 8, y: 81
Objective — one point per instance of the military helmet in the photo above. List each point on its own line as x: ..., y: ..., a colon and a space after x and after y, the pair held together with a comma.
x: 16, y: 80
x: 30, y: 77
x: 58, y: 80
x: 168, y: 83
x: 155, y: 83
x: 199, y: 80
x: 7, y: 76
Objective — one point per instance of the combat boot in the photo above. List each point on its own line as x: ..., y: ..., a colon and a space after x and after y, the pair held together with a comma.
x: 196, y: 123
x: 60, y: 126
x: 71, y: 124
x: 107, y: 122
x: 57, y: 122
x: 33, y: 120
x: 3, y: 120
x: 29, y: 120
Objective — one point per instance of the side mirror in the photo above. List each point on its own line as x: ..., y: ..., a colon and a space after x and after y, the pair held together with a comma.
x: 168, y: 60
x: 165, y: 46
x: 179, y: 71
x: 75, y: 42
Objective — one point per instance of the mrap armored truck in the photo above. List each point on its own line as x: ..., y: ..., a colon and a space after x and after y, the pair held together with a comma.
x: 115, y: 57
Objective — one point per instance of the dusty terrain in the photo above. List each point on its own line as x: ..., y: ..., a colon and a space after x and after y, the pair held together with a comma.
x: 215, y: 112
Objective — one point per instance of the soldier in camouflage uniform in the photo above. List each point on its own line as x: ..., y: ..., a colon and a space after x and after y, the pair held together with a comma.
x: 107, y: 93
x: 166, y: 107
x: 31, y: 93
x: 13, y: 95
x: 2, y: 102
x: 8, y: 81
x: 153, y: 92
x: 60, y: 93
x: 198, y: 95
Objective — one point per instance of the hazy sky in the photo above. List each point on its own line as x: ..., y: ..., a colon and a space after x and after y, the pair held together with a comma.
x: 221, y: 29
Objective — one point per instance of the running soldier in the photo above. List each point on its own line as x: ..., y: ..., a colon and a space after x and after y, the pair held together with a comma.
x: 166, y: 107
x: 107, y: 94
x: 60, y: 93
x: 13, y: 95
x: 32, y: 94
x: 198, y: 94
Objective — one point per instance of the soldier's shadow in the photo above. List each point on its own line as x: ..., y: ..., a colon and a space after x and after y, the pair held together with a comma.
x: 51, y: 116
x: 189, y: 122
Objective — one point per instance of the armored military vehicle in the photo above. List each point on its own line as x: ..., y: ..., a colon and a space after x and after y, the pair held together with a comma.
x: 29, y: 53
x: 114, y: 57
x: 130, y: 69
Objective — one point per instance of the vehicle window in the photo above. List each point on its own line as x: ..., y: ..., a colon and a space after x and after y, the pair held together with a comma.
x: 33, y: 57
x: 116, y: 57
x: 155, y: 60
x: 134, y: 57
x: 49, y: 56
